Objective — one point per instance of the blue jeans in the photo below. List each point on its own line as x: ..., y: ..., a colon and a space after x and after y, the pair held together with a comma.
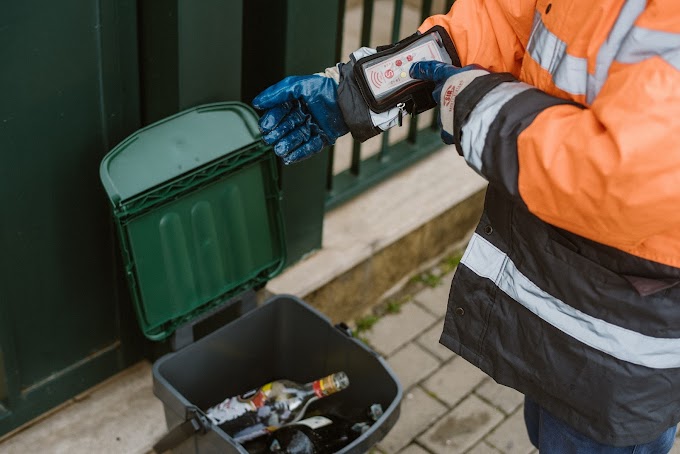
x: 552, y: 436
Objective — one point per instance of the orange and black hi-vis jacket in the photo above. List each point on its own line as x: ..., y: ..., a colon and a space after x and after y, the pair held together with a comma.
x: 568, y: 290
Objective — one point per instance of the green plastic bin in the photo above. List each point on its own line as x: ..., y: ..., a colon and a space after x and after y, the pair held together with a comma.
x: 195, y: 199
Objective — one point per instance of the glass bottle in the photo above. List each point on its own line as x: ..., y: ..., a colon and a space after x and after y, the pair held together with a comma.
x: 262, y: 410
x: 315, y: 435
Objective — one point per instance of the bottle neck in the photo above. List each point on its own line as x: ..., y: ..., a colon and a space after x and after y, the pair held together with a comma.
x: 325, y: 386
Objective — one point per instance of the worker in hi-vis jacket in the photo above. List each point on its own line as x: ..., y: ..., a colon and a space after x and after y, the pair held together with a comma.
x: 568, y: 290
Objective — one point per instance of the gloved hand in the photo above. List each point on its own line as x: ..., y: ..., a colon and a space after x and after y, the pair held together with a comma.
x: 302, y: 116
x: 449, y: 82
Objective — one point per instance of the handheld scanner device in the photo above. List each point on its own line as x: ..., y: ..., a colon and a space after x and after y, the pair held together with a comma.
x: 384, y: 80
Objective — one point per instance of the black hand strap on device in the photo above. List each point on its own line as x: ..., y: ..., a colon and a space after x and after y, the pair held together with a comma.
x: 354, y: 95
x: 416, y: 95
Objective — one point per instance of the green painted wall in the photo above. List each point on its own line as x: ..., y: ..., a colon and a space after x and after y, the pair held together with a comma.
x: 77, y: 77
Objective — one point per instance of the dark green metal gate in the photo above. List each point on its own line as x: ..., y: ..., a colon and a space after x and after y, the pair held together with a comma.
x: 77, y: 77
x: 69, y: 92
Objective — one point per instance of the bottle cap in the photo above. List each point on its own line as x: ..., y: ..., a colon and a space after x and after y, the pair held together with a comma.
x: 375, y: 412
x: 340, y: 380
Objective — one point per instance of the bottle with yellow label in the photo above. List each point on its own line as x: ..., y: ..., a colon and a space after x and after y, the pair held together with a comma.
x: 264, y: 409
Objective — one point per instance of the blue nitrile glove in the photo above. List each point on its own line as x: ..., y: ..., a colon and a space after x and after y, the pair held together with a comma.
x: 450, y: 81
x: 302, y: 116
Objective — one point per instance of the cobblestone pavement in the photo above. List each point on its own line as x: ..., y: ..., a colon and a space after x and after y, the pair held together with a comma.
x: 449, y: 406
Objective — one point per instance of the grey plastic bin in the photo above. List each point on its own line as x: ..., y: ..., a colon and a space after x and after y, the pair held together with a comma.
x: 283, y: 338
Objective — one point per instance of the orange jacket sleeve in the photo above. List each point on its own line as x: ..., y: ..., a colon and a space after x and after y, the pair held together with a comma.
x: 490, y: 33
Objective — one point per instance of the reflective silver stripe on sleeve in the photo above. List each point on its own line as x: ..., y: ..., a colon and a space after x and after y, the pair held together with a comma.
x: 605, y: 56
x: 569, y: 73
x: 642, y: 43
x: 486, y: 260
x: 477, y: 125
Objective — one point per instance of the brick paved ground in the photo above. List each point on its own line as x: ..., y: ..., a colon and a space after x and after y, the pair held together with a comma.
x: 449, y: 406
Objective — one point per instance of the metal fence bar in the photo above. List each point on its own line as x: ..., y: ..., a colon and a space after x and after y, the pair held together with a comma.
x: 367, y: 23
x: 396, y: 28
x: 356, y: 159
x: 396, y: 20
x: 342, y: 5
x: 425, y: 12
x: 366, y: 26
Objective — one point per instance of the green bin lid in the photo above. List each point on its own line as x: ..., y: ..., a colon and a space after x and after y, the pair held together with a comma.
x: 196, y: 201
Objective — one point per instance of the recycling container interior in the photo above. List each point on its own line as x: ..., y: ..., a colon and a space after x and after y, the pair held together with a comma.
x: 283, y: 338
